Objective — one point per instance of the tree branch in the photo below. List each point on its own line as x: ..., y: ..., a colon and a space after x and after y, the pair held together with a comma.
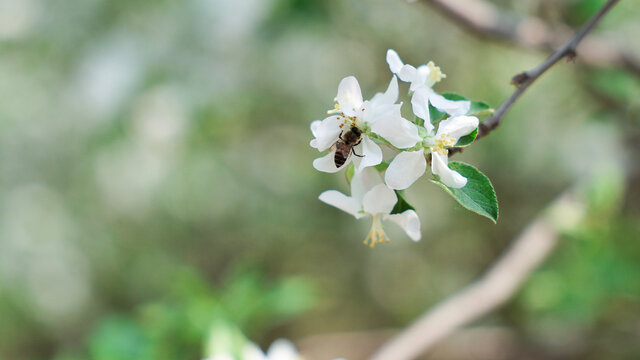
x: 483, y: 19
x: 494, y: 288
x: 517, y: 263
x: 525, y: 79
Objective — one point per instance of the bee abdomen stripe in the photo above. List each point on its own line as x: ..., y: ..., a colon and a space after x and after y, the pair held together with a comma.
x: 339, y: 159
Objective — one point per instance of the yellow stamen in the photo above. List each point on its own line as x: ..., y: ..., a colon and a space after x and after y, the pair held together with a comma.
x: 435, y: 74
x: 336, y: 109
x: 445, y: 140
x: 376, y: 234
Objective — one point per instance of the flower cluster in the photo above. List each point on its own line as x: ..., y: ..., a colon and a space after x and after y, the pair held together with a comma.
x: 353, y: 132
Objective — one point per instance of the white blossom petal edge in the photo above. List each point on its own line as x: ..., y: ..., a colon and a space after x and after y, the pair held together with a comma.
x: 380, y: 115
x: 350, y: 108
x: 373, y: 198
x: 422, y: 80
x: 439, y: 167
x: 407, y: 167
x: 280, y: 349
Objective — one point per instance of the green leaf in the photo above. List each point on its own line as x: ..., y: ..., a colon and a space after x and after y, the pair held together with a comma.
x: 118, y: 337
x: 467, y: 139
x: 418, y: 121
x: 454, y: 96
x: 477, y: 107
x: 477, y: 195
x: 402, y: 205
x: 435, y: 114
x: 382, y: 166
x: 348, y: 173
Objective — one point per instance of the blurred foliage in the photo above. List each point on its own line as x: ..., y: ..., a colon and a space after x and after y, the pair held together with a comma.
x: 591, y: 280
x: 177, y: 327
x: 155, y: 177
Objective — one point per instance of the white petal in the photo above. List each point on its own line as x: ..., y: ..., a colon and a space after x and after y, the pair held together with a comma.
x: 364, y: 181
x: 314, y: 126
x: 407, y: 73
x: 327, y: 132
x: 420, y: 79
x: 349, y: 96
x: 456, y: 127
x: 376, y: 112
x: 327, y: 163
x: 451, y: 107
x: 220, y: 357
x: 251, y: 351
x: 314, y: 130
x: 420, y: 104
x: 282, y: 349
x: 380, y: 199
x: 405, y: 169
x: 409, y: 222
x: 342, y: 202
x: 448, y: 177
x: 400, y: 132
x: 394, y: 61
x: 390, y: 96
x: 371, y: 152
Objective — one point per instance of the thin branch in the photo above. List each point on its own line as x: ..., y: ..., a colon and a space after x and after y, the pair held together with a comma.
x: 525, y: 79
x: 496, y: 287
x: 516, y: 264
x: 482, y: 18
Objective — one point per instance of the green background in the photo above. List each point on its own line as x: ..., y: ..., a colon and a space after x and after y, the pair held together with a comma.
x: 156, y: 180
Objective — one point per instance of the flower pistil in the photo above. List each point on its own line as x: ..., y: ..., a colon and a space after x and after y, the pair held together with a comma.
x: 376, y: 233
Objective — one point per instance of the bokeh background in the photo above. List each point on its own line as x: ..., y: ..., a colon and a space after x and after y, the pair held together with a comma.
x: 155, y: 177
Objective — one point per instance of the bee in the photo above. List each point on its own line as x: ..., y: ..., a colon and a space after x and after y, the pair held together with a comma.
x: 345, y: 144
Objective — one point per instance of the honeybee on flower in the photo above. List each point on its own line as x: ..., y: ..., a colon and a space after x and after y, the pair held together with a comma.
x: 355, y: 127
x: 379, y: 116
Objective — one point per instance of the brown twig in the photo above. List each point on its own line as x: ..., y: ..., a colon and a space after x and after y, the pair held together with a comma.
x: 515, y: 265
x: 500, y: 282
x: 483, y: 19
x: 525, y: 79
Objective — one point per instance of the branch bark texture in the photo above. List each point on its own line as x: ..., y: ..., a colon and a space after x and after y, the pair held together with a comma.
x: 525, y: 79
x: 482, y: 18
x: 526, y: 252
x: 496, y: 287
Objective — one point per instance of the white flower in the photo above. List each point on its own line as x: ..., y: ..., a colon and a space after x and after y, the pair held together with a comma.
x: 422, y: 80
x: 220, y: 357
x: 408, y: 166
x: 280, y: 349
x: 371, y: 197
x: 380, y: 115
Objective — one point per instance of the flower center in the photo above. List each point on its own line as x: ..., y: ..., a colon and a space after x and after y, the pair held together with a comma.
x: 439, y: 144
x: 349, y: 121
x: 443, y: 142
x: 435, y: 74
x: 376, y: 234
